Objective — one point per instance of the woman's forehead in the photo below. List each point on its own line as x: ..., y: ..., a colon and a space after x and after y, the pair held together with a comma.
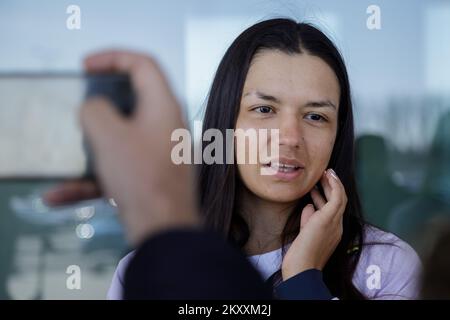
x: 292, y: 76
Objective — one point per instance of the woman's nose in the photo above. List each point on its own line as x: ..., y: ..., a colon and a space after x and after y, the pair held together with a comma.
x: 290, y: 132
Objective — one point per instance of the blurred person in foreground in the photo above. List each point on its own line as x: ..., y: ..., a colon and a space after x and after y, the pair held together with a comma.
x: 156, y: 197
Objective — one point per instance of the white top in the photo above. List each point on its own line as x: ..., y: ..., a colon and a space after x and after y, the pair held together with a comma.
x: 267, y: 263
x: 385, y: 271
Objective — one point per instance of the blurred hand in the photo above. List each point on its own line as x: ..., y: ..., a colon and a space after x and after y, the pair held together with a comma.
x: 132, y: 155
x: 320, y: 230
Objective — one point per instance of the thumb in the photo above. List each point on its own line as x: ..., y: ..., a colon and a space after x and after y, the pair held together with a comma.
x: 102, y: 125
x: 307, y: 212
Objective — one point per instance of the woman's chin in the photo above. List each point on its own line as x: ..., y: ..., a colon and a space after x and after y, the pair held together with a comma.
x: 281, y: 197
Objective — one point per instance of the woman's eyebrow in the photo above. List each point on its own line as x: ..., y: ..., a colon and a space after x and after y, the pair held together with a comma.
x: 321, y: 104
x: 263, y: 96
x: 268, y: 97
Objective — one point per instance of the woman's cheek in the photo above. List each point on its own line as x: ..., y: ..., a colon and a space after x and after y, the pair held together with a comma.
x: 320, y: 154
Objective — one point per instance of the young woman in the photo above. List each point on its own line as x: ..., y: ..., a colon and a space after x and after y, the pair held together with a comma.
x: 279, y: 74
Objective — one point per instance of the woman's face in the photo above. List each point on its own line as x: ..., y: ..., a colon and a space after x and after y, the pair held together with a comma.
x: 299, y: 95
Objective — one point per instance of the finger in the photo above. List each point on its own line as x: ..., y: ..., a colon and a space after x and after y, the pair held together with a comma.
x: 307, y: 212
x: 338, y: 198
x: 333, y: 174
x: 116, y: 61
x: 102, y: 124
x: 326, y: 186
x: 148, y: 81
x: 317, y: 198
x: 70, y: 192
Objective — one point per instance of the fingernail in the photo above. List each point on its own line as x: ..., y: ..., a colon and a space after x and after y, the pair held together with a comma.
x: 333, y: 174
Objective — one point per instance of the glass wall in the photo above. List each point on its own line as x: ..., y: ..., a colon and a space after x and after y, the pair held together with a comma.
x: 400, y: 78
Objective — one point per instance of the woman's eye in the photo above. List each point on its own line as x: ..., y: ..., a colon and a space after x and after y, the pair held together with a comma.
x: 315, y: 117
x: 263, y: 109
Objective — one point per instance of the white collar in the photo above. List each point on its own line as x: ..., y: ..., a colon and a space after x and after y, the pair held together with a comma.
x: 267, y: 263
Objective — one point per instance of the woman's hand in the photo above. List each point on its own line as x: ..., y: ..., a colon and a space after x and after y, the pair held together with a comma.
x: 320, y: 230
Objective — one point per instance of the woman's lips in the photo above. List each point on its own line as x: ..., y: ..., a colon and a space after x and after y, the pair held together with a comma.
x: 284, y: 170
x: 288, y: 176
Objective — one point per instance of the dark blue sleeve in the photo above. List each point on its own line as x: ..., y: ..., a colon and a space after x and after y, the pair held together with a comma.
x: 307, y: 285
x: 192, y: 264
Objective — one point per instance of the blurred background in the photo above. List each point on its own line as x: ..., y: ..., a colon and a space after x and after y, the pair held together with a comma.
x: 400, y: 77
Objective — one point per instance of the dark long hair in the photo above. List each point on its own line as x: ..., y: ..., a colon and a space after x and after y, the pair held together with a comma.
x: 219, y: 183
